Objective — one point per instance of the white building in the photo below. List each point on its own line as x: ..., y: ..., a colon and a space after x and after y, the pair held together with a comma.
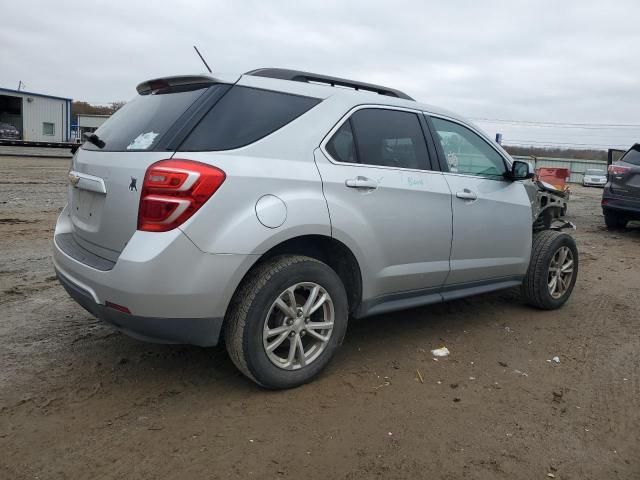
x: 40, y: 118
x: 88, y: 123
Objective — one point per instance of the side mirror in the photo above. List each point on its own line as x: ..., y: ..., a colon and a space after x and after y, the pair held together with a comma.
x: 520, y: 171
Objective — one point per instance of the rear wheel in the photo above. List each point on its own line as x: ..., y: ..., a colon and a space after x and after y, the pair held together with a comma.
x: 553, y: 270
x: 614, y: 221
x: 286, y: 321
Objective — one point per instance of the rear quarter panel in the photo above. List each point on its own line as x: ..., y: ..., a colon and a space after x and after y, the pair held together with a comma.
x: 228, y: 222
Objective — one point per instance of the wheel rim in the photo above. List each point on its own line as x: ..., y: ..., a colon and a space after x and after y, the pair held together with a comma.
x: 299, y: 325
x: 560, y: 272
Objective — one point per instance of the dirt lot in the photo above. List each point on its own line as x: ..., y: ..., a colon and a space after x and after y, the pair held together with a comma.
x: 78, y: 400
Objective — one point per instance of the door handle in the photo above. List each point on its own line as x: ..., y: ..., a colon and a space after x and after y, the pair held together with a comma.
x: 467, y: 194
x: 361, y: 182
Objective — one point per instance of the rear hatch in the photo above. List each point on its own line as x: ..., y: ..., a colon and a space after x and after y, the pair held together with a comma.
x: 624, y: 175
x: 107, y: 172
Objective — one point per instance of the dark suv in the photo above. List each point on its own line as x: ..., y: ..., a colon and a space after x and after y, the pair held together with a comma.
x: 621, y: 196
x: 8, y: 131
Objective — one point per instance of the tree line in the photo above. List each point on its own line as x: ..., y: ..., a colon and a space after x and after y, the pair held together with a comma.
x: 85, y: 108
x: 584, y: 154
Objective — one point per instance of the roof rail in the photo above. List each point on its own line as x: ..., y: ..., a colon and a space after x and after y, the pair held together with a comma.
x: 298, y: 76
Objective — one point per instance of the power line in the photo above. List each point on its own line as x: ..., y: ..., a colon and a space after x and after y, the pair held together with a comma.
x: 534, y: 143
x: 557, y: 124
x: 551, y: 142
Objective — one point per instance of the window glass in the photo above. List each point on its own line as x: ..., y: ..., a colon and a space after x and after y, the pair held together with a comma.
x: 389, y: 138
x: 141, y: 122
x: 632, y: 156
x: 48, y: 128
x: 466, y: 152
x: 342, y: 147
x: 244, y: 115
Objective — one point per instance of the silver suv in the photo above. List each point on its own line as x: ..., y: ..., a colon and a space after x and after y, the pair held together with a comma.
x: 267, y: 209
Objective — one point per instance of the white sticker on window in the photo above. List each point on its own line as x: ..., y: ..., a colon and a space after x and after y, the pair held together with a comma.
x: 142, y: 141
x: 452, y: 160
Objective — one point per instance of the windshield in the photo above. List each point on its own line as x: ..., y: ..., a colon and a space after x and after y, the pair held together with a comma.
x: 594, y: 171
x: 140, y: 124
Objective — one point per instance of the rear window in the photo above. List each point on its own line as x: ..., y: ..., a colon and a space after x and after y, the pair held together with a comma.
x: 632, y: 156
x: 244, y: 115
x: 140, y: 124
x: 595, y: 171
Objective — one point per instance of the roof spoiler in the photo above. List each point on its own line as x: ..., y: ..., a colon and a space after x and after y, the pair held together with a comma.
x: 157, y: 83
x: 298, y: 76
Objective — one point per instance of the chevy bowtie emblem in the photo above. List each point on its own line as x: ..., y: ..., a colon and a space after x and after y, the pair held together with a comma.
x: 74, y: 179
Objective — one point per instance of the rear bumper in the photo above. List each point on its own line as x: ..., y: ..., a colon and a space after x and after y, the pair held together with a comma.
x: 629, y: 206
x: 175, y: 292
x: 194, y: 331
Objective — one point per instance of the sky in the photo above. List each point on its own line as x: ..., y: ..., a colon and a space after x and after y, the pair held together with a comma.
x: 557, y: 63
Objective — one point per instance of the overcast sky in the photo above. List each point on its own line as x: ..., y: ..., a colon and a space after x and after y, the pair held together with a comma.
x: 540, y: 61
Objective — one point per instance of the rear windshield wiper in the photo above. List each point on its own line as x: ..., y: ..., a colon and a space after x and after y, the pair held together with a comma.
x: 93, y: 138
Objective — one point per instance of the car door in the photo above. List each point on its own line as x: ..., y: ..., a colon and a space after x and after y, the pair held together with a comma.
x: 385, y: 201
x: 492, y: 217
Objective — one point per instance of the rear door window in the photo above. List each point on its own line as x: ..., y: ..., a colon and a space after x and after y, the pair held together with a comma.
x: 382, y: 137
x: 141, y: 123
x: 243, y: 116
x: 342, y: 146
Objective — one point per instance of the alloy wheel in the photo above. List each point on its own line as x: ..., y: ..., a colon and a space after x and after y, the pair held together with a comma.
x: 560, y: 272
x: 298, y: 326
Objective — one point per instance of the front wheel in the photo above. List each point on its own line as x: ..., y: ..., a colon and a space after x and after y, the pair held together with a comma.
x: 286, y: 321
x: 553, y: 270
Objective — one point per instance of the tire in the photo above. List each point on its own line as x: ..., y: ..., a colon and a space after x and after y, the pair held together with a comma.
x: 614, y: 221
x: 548, y: 247
x: 254, y: 308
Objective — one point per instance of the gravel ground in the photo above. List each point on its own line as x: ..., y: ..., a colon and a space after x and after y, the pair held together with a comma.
x: 79, y: 400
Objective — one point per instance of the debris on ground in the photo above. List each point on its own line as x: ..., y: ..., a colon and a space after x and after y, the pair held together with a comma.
x: 440, y: 352
x: 555, y: 359
x: 420, y: 376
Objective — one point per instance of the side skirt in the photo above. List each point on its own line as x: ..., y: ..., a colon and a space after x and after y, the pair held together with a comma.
x: 428, y: 296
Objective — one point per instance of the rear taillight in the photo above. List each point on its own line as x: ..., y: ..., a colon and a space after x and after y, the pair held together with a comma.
x: 618, y: 169
x: 173, y: 190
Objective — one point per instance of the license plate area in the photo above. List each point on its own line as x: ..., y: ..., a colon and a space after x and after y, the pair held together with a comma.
x: 86, y: 209
x: 85, y: 204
